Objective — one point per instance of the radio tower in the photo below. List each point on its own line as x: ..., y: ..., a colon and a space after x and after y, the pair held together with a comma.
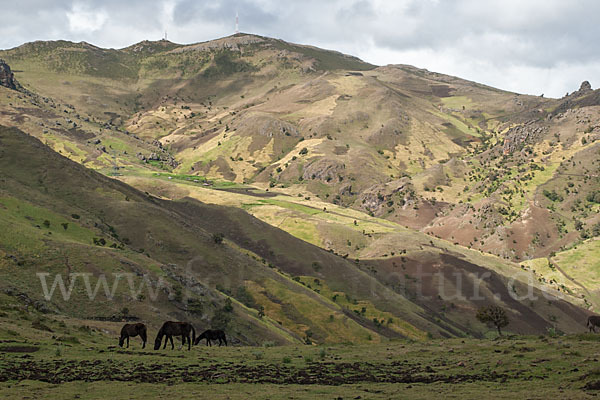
x: 237, y: 23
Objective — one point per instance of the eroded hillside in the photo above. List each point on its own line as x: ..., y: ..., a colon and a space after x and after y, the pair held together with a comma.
x: 381, y: 166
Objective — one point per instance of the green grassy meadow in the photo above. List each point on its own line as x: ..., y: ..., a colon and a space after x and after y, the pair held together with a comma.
x: 65, y: 358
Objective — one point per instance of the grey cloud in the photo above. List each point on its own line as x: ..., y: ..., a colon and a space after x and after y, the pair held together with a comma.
x: 253, y: 16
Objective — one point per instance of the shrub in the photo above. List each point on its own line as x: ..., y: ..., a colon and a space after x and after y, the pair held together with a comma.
x: 322, y: 354
x: 228, y: 307
x: 553, y: 332
x: 593, y: 197
x: 99, y: 242
x: 218, y: 238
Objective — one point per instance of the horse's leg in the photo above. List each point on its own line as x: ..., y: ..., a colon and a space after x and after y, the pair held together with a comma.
x: 171, y: 340
x: 189, y: 340
x: 225, y: 340
x: 128, y: 341
x: 166, y: 340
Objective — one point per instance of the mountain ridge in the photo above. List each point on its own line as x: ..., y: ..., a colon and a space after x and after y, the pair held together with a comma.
x: 295, y: 282
x: 349, y: 160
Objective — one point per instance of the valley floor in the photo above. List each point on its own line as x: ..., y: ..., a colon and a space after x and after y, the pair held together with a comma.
x: 510, y: 367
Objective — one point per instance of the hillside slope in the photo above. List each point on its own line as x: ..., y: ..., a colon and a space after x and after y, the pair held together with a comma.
x: 422, y: 149
x: 60, y: 218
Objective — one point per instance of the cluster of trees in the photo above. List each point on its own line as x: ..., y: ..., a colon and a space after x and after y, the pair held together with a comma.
x: 553, y: 196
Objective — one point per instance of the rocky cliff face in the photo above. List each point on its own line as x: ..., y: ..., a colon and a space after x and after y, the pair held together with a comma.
x: 7, y: 78
x: 517, y: 136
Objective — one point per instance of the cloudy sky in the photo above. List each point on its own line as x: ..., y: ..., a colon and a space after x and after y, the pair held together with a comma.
x: 527, y: 46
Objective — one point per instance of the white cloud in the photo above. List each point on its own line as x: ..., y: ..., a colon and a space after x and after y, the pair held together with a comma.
x: 86, y: 20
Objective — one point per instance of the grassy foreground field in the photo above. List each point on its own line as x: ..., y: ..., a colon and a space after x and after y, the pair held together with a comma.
x: 82, y: 361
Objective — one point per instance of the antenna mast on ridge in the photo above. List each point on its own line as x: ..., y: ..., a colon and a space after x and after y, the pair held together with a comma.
x: 237, y: 23
x: 165, y: 35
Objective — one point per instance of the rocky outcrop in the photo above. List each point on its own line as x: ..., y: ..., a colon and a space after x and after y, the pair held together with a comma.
x: 164, y: 158
x: 375, y: 198
x: 7, y: 78
x: 324, y: 170
x: 518, y: 136
x: 585, y: 87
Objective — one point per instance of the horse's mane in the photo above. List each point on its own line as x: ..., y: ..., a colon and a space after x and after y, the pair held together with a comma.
x: 161, y: 331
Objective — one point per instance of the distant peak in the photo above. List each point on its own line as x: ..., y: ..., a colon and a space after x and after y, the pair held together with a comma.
x: 151, y: 46
x: 231, y: 42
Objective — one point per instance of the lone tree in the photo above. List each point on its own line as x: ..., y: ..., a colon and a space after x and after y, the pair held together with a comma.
x: 495, y: 315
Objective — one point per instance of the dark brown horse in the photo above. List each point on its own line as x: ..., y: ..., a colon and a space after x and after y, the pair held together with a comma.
x: 170, y: 329
x: 212, y: 334
x: 132, y: 330
x: 593, y: 322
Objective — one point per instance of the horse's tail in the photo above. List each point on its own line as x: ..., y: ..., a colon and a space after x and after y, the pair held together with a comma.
x: 193, y: 334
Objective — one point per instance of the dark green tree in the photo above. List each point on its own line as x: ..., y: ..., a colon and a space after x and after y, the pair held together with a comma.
x: 495, y: 315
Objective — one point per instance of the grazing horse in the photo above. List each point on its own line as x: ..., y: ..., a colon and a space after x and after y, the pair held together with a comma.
x: 212, y: 334
x: 593, y: 322
x: 170, y: 329
x: 132, y: 330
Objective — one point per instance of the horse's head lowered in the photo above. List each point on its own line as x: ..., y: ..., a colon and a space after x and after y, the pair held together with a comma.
x: 158, y: 340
